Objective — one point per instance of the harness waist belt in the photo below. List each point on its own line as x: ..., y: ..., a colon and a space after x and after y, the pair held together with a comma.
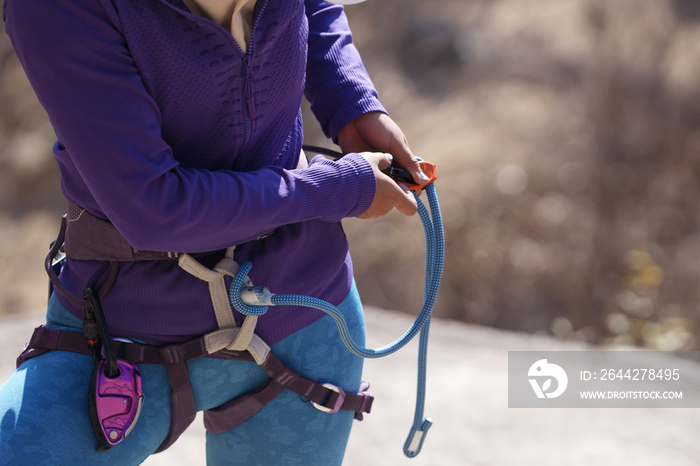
x: 90, y: 238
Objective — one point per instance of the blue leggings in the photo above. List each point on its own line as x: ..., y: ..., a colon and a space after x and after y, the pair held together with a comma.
x: 44, y: 417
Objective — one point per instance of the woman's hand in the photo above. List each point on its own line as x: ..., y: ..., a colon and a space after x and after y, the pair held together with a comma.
x: 377, y: 132
x: 389, y: 194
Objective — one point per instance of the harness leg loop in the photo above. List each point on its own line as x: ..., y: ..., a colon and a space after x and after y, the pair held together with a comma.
x: 182, y: 404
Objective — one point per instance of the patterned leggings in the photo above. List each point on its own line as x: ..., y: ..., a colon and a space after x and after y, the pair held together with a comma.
x: 44, y: 417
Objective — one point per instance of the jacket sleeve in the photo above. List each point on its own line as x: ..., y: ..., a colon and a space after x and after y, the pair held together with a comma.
x: 337, y: 84
x: 79, y: 65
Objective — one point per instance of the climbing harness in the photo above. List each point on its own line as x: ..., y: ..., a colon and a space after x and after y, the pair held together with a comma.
x: 85, y: 237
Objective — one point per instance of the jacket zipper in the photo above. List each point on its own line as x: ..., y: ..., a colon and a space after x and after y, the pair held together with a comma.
x: 249, y: 77
x: 246, y: 57
x: 249, y: 88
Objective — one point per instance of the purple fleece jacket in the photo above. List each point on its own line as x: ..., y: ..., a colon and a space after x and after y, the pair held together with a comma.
x: 166, y: 128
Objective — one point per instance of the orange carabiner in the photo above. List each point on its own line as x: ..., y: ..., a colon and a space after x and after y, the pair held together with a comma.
x: 402, y: 176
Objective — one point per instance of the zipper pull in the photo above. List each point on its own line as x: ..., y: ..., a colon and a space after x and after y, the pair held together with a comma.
x: 249, y: 89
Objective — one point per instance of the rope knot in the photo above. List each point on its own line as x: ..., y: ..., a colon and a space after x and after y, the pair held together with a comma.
x: 234, y: 293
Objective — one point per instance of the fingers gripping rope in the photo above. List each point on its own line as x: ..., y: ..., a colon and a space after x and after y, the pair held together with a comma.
x: 255, y: 302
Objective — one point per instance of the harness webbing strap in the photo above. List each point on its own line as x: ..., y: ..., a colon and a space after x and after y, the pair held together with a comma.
x: 233, y: 413
x: 183, y: 408
x: 222, y: 305
x: 224, y: 339
x: 245, y: 335
x: 217, y: 285
x: 229, y: 267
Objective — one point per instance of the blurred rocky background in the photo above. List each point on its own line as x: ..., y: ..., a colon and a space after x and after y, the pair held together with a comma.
x: 567, y: 138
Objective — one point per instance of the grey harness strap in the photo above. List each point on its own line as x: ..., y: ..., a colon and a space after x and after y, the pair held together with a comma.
x: 232, y: 337
x: 90, y: 238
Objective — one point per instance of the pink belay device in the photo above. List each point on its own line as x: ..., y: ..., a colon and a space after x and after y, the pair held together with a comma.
x: 115, y: 403
x: 115, y: 396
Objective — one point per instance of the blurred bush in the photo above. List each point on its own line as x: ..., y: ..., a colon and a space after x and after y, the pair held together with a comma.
x: 567, y: 137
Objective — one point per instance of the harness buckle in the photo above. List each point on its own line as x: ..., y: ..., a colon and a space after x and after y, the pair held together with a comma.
x: 338, y: 402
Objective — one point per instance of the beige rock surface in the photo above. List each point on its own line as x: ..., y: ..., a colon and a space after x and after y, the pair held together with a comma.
x: 467, y: 399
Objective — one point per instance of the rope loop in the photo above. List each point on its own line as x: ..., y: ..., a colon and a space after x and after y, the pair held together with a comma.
x: 234, y: 293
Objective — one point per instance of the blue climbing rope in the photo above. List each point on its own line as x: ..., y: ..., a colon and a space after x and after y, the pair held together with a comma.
x: 435, y: 242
